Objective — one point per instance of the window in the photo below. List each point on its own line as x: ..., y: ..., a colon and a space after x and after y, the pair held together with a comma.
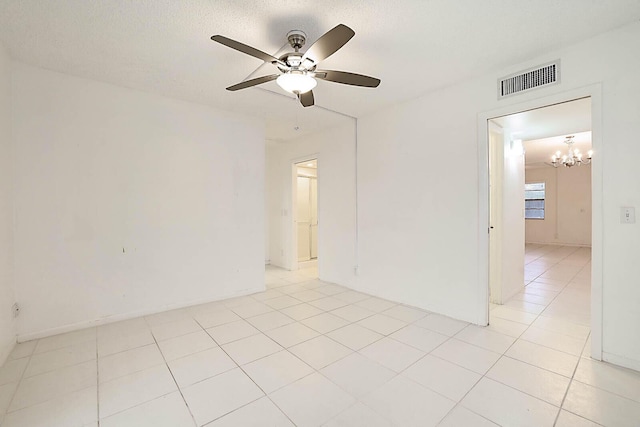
x: 534, y: 200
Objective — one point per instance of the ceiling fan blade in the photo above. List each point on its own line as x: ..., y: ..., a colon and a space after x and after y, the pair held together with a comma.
x: 252, y: 82
x: 306, y: 99
x: 244, y: 48
x: 346, y: 78
x: 329, y: 43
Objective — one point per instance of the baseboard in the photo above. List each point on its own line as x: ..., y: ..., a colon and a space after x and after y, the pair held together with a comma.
x: 131, y: 315
x: 577, y: 245
x: 625, y: 362
x: 506, y: 298
x: 405, y: 302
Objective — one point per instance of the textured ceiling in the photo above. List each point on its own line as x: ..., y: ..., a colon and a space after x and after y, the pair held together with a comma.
x: 163, y: 46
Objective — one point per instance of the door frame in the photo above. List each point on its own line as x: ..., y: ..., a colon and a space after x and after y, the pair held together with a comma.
x: 595, y: 93
x: 293, y: 224
x: 495, y: 212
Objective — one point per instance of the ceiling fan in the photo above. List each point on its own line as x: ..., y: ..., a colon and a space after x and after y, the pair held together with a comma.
x: 298, y: 71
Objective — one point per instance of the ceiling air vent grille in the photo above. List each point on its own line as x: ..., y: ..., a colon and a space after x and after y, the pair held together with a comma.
x: 534, y: 78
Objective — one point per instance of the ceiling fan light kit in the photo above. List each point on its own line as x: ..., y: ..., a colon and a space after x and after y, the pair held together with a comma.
x: 298, y: 72
x: 296, y: 82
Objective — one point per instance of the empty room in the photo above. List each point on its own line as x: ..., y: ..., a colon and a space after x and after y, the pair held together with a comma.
x: 218, y: 213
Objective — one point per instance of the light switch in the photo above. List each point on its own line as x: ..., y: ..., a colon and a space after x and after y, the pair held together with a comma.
x: 628, y: 215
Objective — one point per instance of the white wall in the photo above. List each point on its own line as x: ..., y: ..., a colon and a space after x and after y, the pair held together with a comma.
x: 335, y: 151
x: 272, y: 209
x: 418, y: 203
x: 567, y: 218
x: 419, y: 195
x: 129, y: 203
x: 7, y: 322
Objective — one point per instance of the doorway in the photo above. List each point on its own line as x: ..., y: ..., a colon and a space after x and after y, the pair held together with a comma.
x: 306, y: 209
x: 540, y: 234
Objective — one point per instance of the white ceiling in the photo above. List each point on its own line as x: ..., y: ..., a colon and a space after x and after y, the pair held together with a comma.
x: 413, y: 46
x: 554, y: 120
x: 543, y: 130
x: 311, y: 164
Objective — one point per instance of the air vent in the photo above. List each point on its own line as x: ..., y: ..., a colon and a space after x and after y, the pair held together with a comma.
x: 526, y: 80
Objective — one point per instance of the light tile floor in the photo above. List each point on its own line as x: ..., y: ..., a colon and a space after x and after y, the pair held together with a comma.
x: 310, y: 353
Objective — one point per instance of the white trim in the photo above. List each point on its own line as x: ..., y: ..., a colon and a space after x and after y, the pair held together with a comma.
x: 577, y: 245
x: 621, y: 361
x: 484, y: 220
x: 593, y: 91
x: 292, y: 202
x: 406, y: 302
x: 131, y: 315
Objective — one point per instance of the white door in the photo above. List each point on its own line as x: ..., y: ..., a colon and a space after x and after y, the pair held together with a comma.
x: 313, y: 196
x: 495, y: 216
x: 506, y: 215
x: 304, y: 218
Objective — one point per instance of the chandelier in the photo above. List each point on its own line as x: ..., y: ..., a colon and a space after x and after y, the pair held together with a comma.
x: 572, y: 158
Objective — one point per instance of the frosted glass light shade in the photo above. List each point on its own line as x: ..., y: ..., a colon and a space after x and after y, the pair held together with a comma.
x: 296, y: 83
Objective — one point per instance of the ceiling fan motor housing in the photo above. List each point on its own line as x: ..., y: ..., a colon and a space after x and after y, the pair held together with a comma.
x: 296, y: 38
x: 292, y: 61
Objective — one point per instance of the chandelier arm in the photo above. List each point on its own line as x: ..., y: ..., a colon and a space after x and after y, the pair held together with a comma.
x: 573, y: 156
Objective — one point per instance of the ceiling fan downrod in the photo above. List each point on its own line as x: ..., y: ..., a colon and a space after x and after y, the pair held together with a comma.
x: 297, y: 39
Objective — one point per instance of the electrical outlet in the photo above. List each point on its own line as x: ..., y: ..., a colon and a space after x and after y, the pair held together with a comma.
x: 16, y: 309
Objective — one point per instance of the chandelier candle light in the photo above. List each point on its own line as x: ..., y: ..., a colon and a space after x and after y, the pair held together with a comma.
x: 573, y: 158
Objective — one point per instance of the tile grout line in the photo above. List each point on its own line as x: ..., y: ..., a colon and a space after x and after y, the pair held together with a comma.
x: 59, y: 367
x: 449, y: 338
x: 214, y: 340
x: 131, y: 348
x: 480, y: 379
x: 22, y: 377
x: 530, y: 325
x: 258, y: 333
x: 382, y: 337
x: 318, y: 371
x: 571, y: 382
x: 296, y: 356
x: 428, y: 388
x: 19, y: 383
x: 167, y: 364
x: 252, y: 380
x: 172, y: 377
x: 504, y: 355
x: 565, y: 287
